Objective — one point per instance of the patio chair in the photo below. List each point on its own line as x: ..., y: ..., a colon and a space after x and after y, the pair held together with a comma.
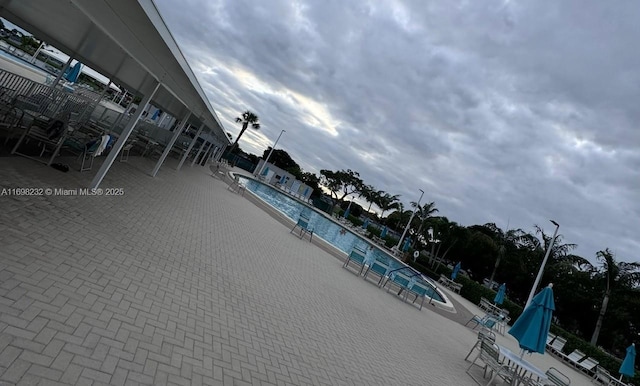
x: 602, y: 376
x: 490, y: 355
x: 488, y: 321
x: 379, y: 268
x: 573, y: 358
x: 305, y: 227
x: 483, y: 334
x: 49, y: 134
x: 420, y: 291
x: 557, y: 378
x: 485, y: 305
x: 557, y: 345
x: 236, y: 186
x: 588, y: 365
x: 356, y: 256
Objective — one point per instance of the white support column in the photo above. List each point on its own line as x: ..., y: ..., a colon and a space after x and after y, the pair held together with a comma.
x: 204, y: 155
x: 169, y: 146
x: 199, y: 151
x: 193, y: 142
x: 61, y: 74
x: 211, y: 153
x: 106, y: 165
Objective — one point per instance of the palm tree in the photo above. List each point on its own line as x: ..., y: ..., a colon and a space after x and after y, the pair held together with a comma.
x: 423, y: 213
x: 248, y: 118
x: 369, y: 193
x: 387, y: 202
x: 616, y: 275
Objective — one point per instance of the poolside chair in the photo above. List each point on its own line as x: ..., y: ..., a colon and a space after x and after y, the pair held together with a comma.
x: 305, y: 227
x: 557, y: 378
x: 420, y: 291
x: 379, y: 268
x: 557, y: 345
x: 488, y: 321
x: 490, y: 355
x: 602, y: 376
x: 588, y: 365
x: 356, y: 256
x: 483, y: 334
x: 550, y: 338
x: 573, y: 358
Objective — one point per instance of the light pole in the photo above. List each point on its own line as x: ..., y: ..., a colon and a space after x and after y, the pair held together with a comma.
x: 269, y: 155
x: 544, y: 262
x: 410, y: 218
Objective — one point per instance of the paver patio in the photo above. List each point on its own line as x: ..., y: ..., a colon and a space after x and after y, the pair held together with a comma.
x: 180, y: 281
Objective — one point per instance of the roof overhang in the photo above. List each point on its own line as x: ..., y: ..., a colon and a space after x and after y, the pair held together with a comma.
x: 125, y: 40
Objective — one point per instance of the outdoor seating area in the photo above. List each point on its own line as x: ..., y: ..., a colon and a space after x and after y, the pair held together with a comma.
x: 43, y: 123
x: 409, y: 284
x: 452, y: 285
x: 577, y: 359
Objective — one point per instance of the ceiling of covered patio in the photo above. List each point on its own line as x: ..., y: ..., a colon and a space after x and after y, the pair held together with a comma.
x: 125, y: 40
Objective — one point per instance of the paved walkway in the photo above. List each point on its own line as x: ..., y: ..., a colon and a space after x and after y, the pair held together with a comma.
x: 180, y: 281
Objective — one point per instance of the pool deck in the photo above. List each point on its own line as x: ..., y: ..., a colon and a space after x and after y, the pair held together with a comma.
x: 181, y: 281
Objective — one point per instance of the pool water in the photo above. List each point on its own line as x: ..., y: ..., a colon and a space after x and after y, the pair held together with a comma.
x: 324, y: 227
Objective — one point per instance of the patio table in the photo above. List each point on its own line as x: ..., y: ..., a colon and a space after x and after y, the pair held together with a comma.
x: 522, y: 368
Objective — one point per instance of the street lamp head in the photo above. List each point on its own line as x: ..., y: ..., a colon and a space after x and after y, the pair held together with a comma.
x: 555, y: 223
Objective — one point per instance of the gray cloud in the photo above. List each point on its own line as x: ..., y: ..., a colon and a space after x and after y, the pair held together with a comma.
x: 506, y: 112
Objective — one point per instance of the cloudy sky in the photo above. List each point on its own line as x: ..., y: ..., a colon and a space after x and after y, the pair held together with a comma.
x: 512, y: 112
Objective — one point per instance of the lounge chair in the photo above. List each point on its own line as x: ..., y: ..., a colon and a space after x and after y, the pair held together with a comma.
x: 573, y: 358
x: 305, y: 227
x: 588, y: 365
x: 557, y: 345
x: 550, y: 338
x: 358, y: 257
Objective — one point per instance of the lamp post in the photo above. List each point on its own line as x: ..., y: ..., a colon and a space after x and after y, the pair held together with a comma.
x: 410, y: 218
x: 544, y: 262
x: 269, y: 155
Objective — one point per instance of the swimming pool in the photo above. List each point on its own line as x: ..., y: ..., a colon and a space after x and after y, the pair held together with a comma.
x: 330, y: 231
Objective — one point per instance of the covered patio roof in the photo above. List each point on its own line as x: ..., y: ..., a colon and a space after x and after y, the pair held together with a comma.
x: 125, y: 40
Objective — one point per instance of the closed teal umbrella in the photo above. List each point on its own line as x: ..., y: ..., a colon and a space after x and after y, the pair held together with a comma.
x: 73, y: 73
x: 500, y: 295
x: 407, y: 243
x: 455, y: 271
x: 532, y: 327
x: 628, y: 365
x: 384, y: 232
x: 365, y: 224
